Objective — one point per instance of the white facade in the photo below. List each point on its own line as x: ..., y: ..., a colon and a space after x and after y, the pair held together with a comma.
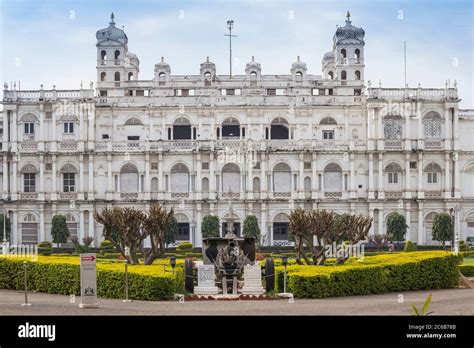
x: 277, y: 142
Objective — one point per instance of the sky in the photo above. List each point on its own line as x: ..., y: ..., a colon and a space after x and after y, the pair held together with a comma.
x: 52, y: 42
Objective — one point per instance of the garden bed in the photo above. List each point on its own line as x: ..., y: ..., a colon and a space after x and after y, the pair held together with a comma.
x: 61, y: 275
x: 373, y: 275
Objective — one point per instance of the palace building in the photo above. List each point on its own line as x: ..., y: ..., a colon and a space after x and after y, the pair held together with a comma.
x: 266, y: 143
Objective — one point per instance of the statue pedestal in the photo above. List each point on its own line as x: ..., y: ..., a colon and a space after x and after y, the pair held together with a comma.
x: 206, y: 283
x: 252, y: 280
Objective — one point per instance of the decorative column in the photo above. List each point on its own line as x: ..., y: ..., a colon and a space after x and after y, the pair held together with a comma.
x: 420, y: 126
x: 447, y: 128
x: 55, y: 178
x: 81, y: 177
x: 372, y: 227
x: 370, y: 133
x: 5, y: 175
x: 457, y: 189
x: 250, y: 161
x: 456, y: 129
x: 421, y: 239
x: 53, y: 129
x: 14, y: 130
x: 41, y: 178
x: 421, y: 193
x: 371, y: 176
x: 91, y: 224
x: 80, y: 233
x: 407, y: 177
x: 91, y: 125
x: 198, y: 227
x: 16, y: 237
x: 301, y: 178
x: 263, y: 173
x: 14, y: 189
x: 380, y: 186
x: 447, y: 176
x: 352, y: 193
x: 212, y: 176
x: 408, y: 219
x: 90, y: 195
x: 146, y: 184
x: 109, y: 173
x: 41, y: 223
x: 263, y: 221
x: 41, y: 128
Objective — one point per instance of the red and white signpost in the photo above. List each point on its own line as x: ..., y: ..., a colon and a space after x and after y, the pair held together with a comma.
x: 88, y: 281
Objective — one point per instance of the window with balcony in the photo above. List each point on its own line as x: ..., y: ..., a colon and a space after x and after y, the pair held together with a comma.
x: 328, y: 134
x: 69, y: 182
x: 68, y: 127
x: 29, y: 128
x: 392, y: 178
x: 29, y: 182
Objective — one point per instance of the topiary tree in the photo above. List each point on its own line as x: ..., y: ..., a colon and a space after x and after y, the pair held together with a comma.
x: 442, y: 230
x: 396, y: 226
x: 5, y: 234
x: 210, y: 226
x: 59, y: 230
x: 409, y: 246
x: 251, y: 228
x: 171, y: 231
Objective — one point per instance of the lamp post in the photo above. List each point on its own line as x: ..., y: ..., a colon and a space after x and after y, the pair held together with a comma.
x: 173, y: 262
x: 284, y: 261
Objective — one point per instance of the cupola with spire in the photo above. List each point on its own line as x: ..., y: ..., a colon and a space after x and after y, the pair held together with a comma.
x: 298, y: 70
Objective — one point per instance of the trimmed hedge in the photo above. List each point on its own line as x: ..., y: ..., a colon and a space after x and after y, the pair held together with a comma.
x: 61, y: 275
x: 467, y: 270
x: 372, y: 275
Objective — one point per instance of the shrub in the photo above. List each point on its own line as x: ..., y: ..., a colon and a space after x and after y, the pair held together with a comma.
x: 61, y: 275
x: 106, y: 247
x: 251, y: 228
x: 45, y: 248
x: 442, y: 229
x: 210, y: 226
x: 373, y: 275
x: 409, y: 246
x: 59, y: 229
x: 396, y: 226
x: 467, y: 270
x: 184, y: 247
x: 463, y: 245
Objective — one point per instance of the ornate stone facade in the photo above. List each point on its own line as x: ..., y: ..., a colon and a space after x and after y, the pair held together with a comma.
x: 268, y: 142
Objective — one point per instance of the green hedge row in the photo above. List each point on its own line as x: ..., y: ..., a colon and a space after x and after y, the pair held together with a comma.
x: 63, y: 278
x: 404, y: 273
x: 467, y: 270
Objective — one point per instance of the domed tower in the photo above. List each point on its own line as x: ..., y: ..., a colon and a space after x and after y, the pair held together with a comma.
x: 208, y: 72
x: 298, y: 70
x: 162, y: 72
x: 114, y: 63
x: 346, y: 62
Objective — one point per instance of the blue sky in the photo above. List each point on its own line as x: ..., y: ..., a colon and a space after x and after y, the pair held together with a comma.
x: 53, y: 42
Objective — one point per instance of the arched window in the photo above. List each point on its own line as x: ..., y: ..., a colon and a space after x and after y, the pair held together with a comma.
x: 433, y: 174
x: 103, y: 75
x: 103, y: 56
x: 231, y: 127
x: 179, y: 178
x: 181, y: 129
x: 331, y: 75
x: 29, y: 229
x: 256, y: 184
x: 68, y: 172
x: 393, y: 129
x: 328, y: 121
x: 280, y: 227
x: 357, y: 75
x: 357, y: 53
x: 117, y: 54
x: 282, y: 178
x: 130, y: 76
x: 129, y: 178
x: 343, y: 75
x: 154, y: 188
x: 230, y: 178
x: 432, y: 125
x: 29, y: 178
x: 205, y: 185
x: 133, y: 121
x: 117, y: 76
x: 183, y: 232
x: 161, y: 78
x: 343, y: 53
x: 299, y: 76
x: 279, y: 129
x: 393, y: 173
x: 333, y: 178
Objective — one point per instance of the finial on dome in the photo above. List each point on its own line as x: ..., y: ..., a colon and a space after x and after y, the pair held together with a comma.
x: 112, y: 18
x: 348, y: 15
x: 253, y: 58
x: 298, y: 58
x: 162, y: 59
x: 207, y: 59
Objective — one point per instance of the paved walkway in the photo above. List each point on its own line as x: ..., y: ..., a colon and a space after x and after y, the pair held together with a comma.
x: 444, y: 302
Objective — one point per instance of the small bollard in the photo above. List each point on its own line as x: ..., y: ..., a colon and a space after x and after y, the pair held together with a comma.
x: 26, y: 284
x: 284, y: 260
x: 126, y: 282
